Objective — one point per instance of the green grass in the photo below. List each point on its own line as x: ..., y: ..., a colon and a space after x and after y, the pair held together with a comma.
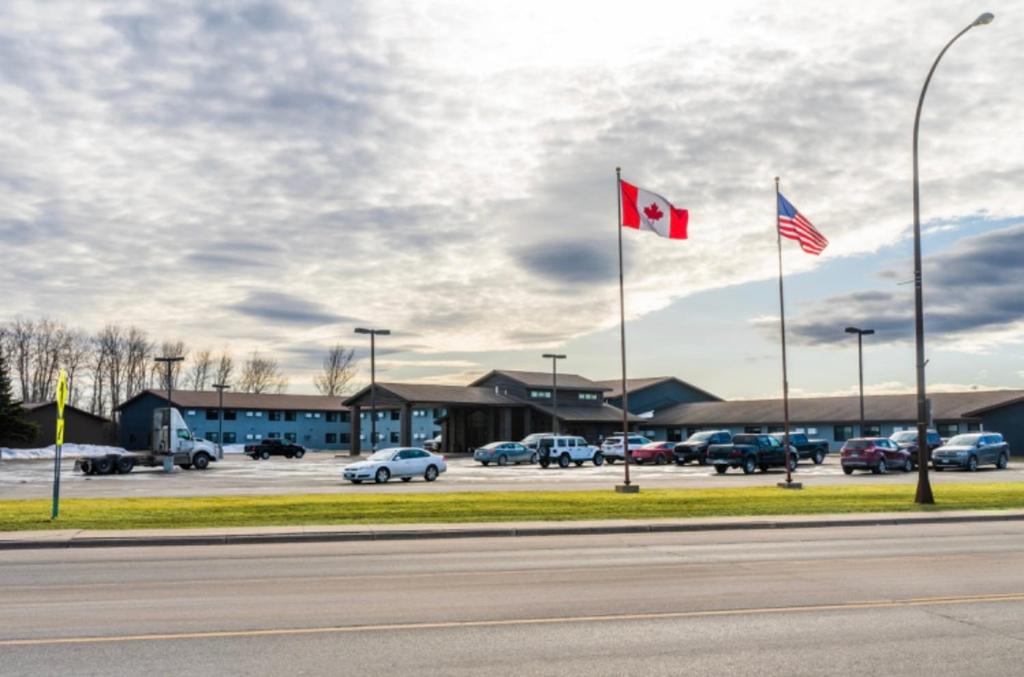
x: 328, y: 509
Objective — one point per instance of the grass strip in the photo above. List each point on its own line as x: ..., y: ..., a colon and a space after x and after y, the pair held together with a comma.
x: 395, y: 508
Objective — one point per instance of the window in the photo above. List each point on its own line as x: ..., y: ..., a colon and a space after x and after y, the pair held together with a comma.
x: 289, y: 415
x: 309, y: 414
x: 211, y: 436
x: 290, y: 437
x: 248, y: 414
x: 394, y: 438
x: 871, y: 430
x: 229, y: 438
x: 259, y: 414
x: 345, y: 438
x: 249, y: 436
x: 675, y: 435
x: 316, y: 414
x: 842, y: 433
x: 973, y: 427
x: 588, y: 396
x: 274, y: 436
x: 752, y: 429
x: 274, y: 415
x: 438, y: 413
x: 396, y: 415
x: 331, y: 417
x: 230, y: 414
x: 331, y: 438
x: 191, y: 412
x: 948, y: 429
x: 540, y: 394
x: 345, y: 416
x: 211, y: 414
x: 776, y: 429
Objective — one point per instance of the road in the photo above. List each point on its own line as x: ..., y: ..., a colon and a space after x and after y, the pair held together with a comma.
x: 896, y: 600
x: 321, y: 473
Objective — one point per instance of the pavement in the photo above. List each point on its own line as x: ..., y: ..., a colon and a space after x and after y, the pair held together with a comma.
x: 77, y: 538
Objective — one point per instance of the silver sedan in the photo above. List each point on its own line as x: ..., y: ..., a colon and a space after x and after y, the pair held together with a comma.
x: 402, y: 462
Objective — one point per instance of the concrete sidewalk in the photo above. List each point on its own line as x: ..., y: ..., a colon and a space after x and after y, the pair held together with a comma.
x: 75, y: 538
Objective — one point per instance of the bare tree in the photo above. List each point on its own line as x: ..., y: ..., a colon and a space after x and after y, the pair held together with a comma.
x: 76, y: 354
x: 261, y: 375
x: 199, y: 370
x: 339, y: 368
x: 225, y: 367
x: 169, y: 349
x: 137, y: 361
x: 20, y: 335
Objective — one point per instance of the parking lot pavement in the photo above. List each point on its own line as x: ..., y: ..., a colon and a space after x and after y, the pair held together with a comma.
x: 321, y: 473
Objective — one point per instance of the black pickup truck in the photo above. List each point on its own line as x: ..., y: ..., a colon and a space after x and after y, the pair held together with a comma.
x: 815, y: 450
x: 274, y: 447
x: 750, y: 452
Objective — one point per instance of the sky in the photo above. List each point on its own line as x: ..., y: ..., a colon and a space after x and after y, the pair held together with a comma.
x: 273, y: 174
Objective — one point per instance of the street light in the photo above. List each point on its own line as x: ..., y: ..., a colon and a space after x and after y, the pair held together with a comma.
x: 373, y: 380
x: 924, y: 487
x: 861, y: 333
x: 221, y: 387
x: 554, y: 383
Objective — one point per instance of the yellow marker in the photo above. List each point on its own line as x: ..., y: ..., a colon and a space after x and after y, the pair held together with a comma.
x: 60, y: 431
x: 62, y: 393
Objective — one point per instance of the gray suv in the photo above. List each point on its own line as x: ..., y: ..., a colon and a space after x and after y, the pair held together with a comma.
x: 971, y: 450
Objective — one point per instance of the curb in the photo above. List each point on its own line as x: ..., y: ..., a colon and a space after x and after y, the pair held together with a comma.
x: 486, y: 532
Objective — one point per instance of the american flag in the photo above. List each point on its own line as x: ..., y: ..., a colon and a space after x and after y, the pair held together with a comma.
x: 793, y: 225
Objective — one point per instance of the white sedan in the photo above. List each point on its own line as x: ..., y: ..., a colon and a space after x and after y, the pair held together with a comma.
x: 403, y: 462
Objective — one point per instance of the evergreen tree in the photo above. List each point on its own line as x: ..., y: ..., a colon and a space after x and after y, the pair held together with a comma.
x: 14, y: 427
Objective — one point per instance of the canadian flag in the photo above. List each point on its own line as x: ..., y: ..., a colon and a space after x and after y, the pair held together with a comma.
x: 650, y: 211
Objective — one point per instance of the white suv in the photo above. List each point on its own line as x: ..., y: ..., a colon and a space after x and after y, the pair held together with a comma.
x: 566, y: 449
x: 612, y: 447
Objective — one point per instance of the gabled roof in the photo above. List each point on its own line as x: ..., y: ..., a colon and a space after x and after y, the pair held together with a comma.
x: 35, y: 406
x: 541, y: 379
x: 208, y: 399
x: 440, y: 394
x: 845, y: 409
x: 614, y: 386
x: 606, y: 413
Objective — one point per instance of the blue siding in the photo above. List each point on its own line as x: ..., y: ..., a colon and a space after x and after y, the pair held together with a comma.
x: 660, y: 396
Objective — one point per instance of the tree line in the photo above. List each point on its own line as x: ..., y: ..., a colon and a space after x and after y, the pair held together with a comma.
x: 109, y: 366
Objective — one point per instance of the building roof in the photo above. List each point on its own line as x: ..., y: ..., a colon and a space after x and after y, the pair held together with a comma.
x: 614, y: 386
x: 606, y: 413
x: 845, y: 409
x: 440, y: 394
x: 36, y: 406
x: 208, y: 399
x: 543, y: 379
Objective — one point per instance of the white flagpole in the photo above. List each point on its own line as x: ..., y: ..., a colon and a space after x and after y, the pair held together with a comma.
x: 622, y: 339
x: 782, y: 322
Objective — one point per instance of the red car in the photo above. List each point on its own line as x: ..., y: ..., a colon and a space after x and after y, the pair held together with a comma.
x: 659, y: 452
x: 876, y: 454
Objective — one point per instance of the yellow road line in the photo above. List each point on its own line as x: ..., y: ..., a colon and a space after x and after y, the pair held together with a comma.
x: 444, y: 625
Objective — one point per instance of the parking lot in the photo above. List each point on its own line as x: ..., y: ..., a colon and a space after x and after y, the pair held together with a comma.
x: 321, y: 473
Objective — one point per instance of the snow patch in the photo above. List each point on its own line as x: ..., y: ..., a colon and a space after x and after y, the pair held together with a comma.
x: 69, y: 451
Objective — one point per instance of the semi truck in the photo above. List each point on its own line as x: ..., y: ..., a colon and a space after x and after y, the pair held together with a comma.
x: 171, y: 444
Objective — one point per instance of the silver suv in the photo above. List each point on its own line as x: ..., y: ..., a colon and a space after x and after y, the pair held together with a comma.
x: 612, y: 447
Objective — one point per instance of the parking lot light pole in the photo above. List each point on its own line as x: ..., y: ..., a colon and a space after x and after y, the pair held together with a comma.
x: 554, y: 389
x: 221, y: 387
x: 924, y: 488
x: 374, y: 333
x: 861, y: 333
x: 169, y: 361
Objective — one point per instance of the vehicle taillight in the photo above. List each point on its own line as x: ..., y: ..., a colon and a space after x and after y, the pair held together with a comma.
x: 444, y: 458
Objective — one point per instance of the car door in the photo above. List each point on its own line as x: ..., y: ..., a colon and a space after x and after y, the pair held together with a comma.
x: 418, y: 462
x: 985, y: 449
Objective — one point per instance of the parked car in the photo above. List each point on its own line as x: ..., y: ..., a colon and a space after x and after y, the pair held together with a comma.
x: 814, y: 449
x: 876, y: 454
x: 566, y: 449
x: 403, y: 462
x: 504, y: 453
x: 433, y: 444
x: 658, y: 452
x: 612, y: 447
x: 971, y: 450
x: 907, y: 439
x: 695, y: 447
x: 273, y: 446
x: 750, y: 452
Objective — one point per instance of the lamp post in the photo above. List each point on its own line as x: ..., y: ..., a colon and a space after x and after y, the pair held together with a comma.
x: 924, y: 487
x: 221, y: 387
x: 373, y: 380
x: 554, y: 389
x: 169, y: 361
x: 861, y: 333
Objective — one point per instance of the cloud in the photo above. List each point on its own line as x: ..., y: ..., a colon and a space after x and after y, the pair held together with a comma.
x: 284, y: 308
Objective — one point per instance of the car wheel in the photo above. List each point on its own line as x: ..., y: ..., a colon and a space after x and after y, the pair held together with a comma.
x: 407, y: 479
x: 503, y: 460
x: 702, y: 460
x: 201, y: 461
x: 126, y: 463
x: 763, y: 467
x: 881, y: 468
x: 264, y: 455
x: 534, y: 458
x: 749, y: 466
x: 611, y: 459
x: 288, y: 454
x: 599, y: 458
x: 431, y: 474
x: 908, y: 466
x: 103, y: 466
x: 660, y: 459
x: 848, y: 470
x: 819, y: 457
x: 486, y: 462
x: 300, y: 453
x: 564, y: 460
x: 578, y: 463
x: 720, y: 469
x: 1003, y: 462
x: 254, y: 457
x: 382, y: 476
x: 544, y: 463
x: 972, y: 463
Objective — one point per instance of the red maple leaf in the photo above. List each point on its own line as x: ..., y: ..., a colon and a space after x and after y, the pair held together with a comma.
x: 652, y: 212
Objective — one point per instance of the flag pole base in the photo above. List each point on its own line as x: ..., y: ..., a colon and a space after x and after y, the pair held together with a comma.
x: 790, y: 485
x: 627, y: 488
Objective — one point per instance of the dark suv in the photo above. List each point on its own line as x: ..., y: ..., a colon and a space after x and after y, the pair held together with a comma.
x: 695, y: 448
x: 907, y: 439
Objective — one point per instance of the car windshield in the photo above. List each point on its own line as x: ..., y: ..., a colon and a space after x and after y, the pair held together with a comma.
x: 700, y: 437
x: 382, y: 455
x: 963, y: 441
x: 904, y: 436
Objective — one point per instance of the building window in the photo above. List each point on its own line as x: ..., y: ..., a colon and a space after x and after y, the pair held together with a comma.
x: 948, y: 429
x: 540, y: 394
x: 842, y: 433
x: 274, y: 415
x: 381, y: 415
x: 394, y: 438
x: 772, y: 429
x: 211, y: 436
x: 274, y: 436
x: 592, y: 397
x: 974, y: 427
x: 191, y: 412
x: 345, y: 417
x: 871, y: 430
x: 230, y: 414
x: 289, y: 415
x: 259, y: 414
x: 309, y: 414
x: 229, y: 438
x: 331, y: 438
x: 438, y: 413
x: 345, y: 438
x: 211, y: 414
x: 753, y: 429
x: 331, y: 417
x: 396, y: 415
x: 290, y: 437
x: 674, y: 435
x: 249, y: 414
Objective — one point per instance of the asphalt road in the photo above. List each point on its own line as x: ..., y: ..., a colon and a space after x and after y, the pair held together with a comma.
x: 912, y: 600
x: 321, y: 473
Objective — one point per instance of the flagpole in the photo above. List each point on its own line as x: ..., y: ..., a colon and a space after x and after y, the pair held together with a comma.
x: 626, y: 488
x: 782, y: 323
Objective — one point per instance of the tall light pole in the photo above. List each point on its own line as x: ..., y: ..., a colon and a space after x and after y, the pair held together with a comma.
x: 554, y: 383
x: 221, y: 387
x: 861, y: 333
x: 169, y: 361
x: 924, y: 487
x: 373, y: 380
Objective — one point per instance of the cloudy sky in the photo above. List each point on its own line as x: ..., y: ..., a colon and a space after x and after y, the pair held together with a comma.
x: 272, y: 174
